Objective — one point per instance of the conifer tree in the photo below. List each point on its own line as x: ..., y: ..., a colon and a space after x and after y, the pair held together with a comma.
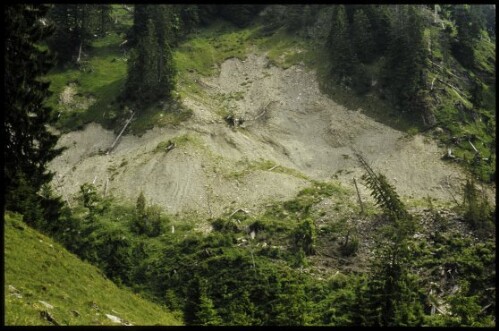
x: 199, y: 309
x: 242, y: 310
x: 362, y: 36
x: 64, y: 42
x: 151, y: 70
x: 139, y: 224
x: 104, y: 14
x: 140, y: 18
x: 193, y: 301
x: 294, y: 14
x: 392, y: 294
x: 29, y: 145
x: 291, y: 304
x: 207, y: 315
x: 402, y: 73
x: 477, y: 211
x: 305, y: 237
x: 342, y: 55
x: 469, y: 22
x: 76, y: 25
x: 189, y: 15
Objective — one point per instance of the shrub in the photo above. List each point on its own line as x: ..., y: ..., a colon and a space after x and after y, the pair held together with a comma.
x: 350, y: 247
x: 305, y: 237
x: 222, y: 225
x: 477, y: 210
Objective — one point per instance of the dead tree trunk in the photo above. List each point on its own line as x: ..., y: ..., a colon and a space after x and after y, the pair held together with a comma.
x: 358, y: 196
x: 474, y: 148
x: 119, y: 136
x: 79, y: 52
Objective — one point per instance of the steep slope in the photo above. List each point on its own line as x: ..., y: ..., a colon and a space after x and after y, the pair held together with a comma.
x: 47, y: 285
x: 292, y: 134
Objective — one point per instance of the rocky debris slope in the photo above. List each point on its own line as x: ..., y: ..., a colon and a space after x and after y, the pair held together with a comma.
x: 291, y: 134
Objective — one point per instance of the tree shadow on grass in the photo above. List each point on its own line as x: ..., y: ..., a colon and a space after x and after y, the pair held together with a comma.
x: 105, y: 110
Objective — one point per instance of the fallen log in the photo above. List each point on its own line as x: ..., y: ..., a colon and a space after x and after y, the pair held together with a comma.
x: 119, y: 136
x: 358, y: 196
x: 433, y: 81
x: 240, y: 209
x: 79, y: 53
x: 455, y: 89
x: 447, y: 71
x: 474, y: 148
x: 170, y: 147
x: 273, y: 167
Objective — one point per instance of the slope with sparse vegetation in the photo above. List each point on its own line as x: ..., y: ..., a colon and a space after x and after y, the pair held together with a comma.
x: 284, y: 165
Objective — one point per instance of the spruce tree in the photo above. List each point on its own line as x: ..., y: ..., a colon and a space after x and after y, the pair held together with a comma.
x: 76, y: 25
x: 393, y: 292
x: 294, y: 14
x: 139, y: 25
x: 104, y: 14
x: 342, y: 55
x: 239, y: 14
x: 199, y: 309
x: 151, y: 70
x: 305, y: 237
x: 29, y: 145
x: 139, y: 225
x: 291, y: 306
x: 189, y: 15
x: 402, y: 72
x: 362, y: 35
x: 192, y: 301
x: 469, y: 22
x: 64, y: 42
x: 207, y: 314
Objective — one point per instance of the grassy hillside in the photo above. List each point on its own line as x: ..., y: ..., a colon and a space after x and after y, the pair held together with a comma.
x: 40, y: 272
x: 86, y: 92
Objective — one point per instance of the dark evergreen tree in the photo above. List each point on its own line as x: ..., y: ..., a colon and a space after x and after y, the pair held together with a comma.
x: 138, y: 28
x: 240, y: 15
x: 342, y: 55
x: 105, y: 20
x: 402, y: 73
x: 477, y: 210
x: 380, y: 18
x: 76, y: 25
x: 392, y: 294
x: 64, y: 42
x: 305, y: 237
x: 192, y: 301
x: 476, y: 94
x: 393, y: 297
x: 208, y: 13
x: 199, y: 309
x: 207, y: 314
x: 151, y: 70
x: 290, y: 308
x: 242, y: 310
x: 469, y: 25
x: 294, y: 15
x: 139, y: 224
x: 489, y: 16
x: 362, y: 36
x: 189, y: 15
x: 28, y: 143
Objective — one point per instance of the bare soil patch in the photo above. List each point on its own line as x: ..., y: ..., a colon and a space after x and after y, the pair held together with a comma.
x: 288, y: 122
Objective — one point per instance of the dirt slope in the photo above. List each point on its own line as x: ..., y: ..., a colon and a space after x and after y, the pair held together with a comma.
x: 289, y: 123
